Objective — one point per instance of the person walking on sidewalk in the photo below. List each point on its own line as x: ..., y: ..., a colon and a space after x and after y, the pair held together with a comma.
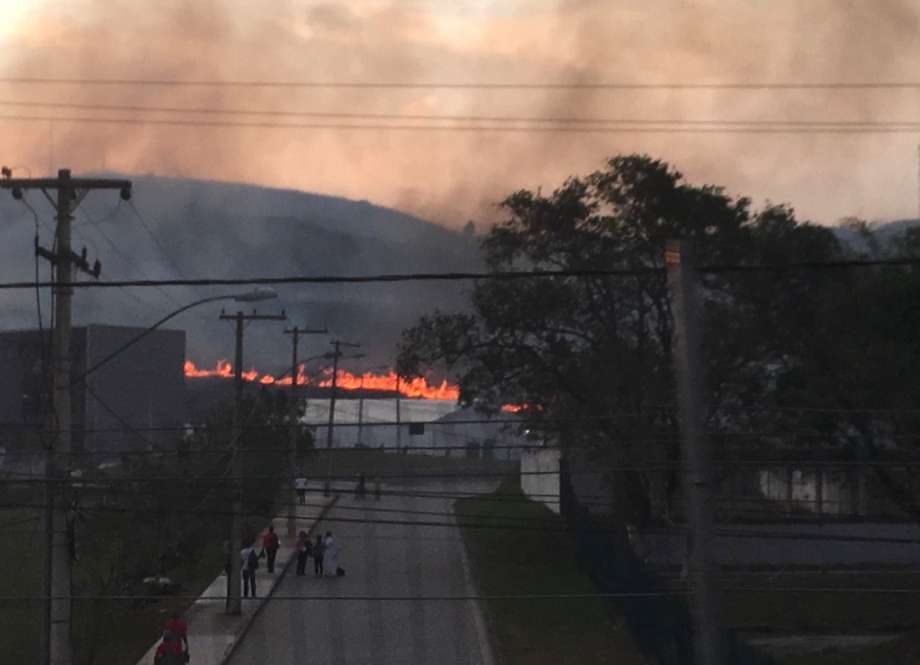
x: 250, y: 565
x: 319, y: 554
x: 170, y: 651
x: 270, y: 545
x: 177, y: 626
x: 300, y: 484
x: 304, y: 548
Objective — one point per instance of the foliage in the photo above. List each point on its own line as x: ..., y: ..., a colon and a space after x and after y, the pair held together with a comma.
x: 163, y: 514
x: 596, y: 350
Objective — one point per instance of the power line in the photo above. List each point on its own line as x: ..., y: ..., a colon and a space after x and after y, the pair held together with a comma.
x: 471, y: 85
x: 163, y: 252
x: 461, y: 276
x: 558, y: 120
x: 664, y: 128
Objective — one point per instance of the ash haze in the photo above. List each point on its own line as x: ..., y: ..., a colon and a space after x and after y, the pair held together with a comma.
x: 449, y: 176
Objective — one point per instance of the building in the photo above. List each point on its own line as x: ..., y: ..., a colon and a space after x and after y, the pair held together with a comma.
x: 132, y: 402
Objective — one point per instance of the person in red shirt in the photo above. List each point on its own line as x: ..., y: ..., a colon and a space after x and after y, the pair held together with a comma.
x: 170, y: 651
x: 177, y: 626
x: 270, y: 544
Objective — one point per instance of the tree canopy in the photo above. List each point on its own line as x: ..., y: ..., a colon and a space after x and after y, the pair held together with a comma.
x: 588, y: 357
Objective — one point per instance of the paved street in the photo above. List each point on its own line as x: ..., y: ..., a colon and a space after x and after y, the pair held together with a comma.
x: 381, y: 560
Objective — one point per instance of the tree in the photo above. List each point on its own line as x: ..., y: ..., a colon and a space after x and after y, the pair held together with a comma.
x: 589, y: 356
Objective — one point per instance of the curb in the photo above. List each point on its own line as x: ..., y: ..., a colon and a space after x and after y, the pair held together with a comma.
x: 483, y: 634
x: 247, y: 623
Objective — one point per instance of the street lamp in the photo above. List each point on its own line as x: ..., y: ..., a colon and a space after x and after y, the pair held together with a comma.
x: 255, y: 295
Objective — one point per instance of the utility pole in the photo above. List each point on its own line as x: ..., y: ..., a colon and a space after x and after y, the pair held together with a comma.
x: 696, y: 454
x: 398, y: 416
x: 55, y: 641
x: 361, y: 412
x: 338, y: 344
x: 234, y: 579
x: 295, y: 334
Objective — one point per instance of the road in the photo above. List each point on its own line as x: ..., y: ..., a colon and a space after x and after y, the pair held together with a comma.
x: 407, y: 559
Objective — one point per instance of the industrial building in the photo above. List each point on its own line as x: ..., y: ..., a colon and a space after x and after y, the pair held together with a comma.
x: 131, y: 402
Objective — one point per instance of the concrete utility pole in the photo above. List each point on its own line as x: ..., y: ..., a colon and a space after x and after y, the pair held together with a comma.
x: 234, y: 577
x: 295, y: 334
x: 697, y: 456
x: 398, y: 416
x: 338, y: 344
x: 55, y: 640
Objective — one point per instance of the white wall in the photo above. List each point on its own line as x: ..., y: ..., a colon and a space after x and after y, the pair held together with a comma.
x: 540, y: 477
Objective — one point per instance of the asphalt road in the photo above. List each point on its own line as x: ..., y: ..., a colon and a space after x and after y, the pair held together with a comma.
x: 408, y: 559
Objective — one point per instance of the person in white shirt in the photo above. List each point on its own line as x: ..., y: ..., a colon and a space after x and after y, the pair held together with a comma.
x: 300, y: 484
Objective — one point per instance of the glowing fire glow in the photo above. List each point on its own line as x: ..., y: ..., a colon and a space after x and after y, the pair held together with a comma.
x: 417, y: 387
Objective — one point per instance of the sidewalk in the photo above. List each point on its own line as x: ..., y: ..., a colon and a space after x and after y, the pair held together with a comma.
x: 212, y: 634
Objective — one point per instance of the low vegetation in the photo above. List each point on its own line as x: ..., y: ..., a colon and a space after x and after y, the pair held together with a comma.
x: 535, y: 561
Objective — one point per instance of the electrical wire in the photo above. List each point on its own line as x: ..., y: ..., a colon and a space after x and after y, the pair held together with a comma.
x: 894, y: 262
x: 675, y: 128
x: 555, y: 120
x: 471, y: 85
x: 163, y: 252
x: 131, y: 265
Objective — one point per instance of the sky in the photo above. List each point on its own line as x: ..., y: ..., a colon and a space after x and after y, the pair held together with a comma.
x: 452, y: 176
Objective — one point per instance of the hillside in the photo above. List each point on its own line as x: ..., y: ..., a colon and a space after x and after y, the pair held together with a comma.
x: 196, y: 229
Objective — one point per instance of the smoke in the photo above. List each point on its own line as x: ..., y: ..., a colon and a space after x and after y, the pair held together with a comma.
x: 454, y: 176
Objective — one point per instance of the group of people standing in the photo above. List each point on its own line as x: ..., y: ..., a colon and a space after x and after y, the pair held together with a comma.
x: 325, y: 553
x: 249, y: 560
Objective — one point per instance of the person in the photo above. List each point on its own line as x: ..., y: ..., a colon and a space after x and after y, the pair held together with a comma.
x: 332, y: 553
x: 227, y: 568
x: 270, y: 545
x: 300, y: 484
x: 250, y: 564
x: 177, y: 626
x: 169, y: 652
x: 360, y: 487
x: 377, y: 488
x: 319, y: 555
x: 304, y: 548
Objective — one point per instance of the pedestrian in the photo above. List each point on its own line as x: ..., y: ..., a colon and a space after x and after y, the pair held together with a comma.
x: 300, y: 484
x: 250, y: 564
x: 227, y: 567
x: 377, y: 488
x: 332, y: 553
x: 304, y: 548
x: 319, y: 554
x: 270, y: 545
x: 360, y: 487
x: 177, y: 626
x: 169, y: 652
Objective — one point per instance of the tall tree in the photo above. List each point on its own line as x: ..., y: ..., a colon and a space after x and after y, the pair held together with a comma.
x: 588, y: 357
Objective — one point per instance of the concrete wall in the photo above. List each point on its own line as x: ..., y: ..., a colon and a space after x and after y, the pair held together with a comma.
x: 540, y: 477
x: 795, y: 545
x: 823, y: 491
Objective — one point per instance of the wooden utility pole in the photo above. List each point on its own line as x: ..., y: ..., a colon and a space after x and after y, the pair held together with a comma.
x: 696, y: 454
x: 55, y: 640
x: 234, y: 575
x: 295, y: 334
x: 338, y: 344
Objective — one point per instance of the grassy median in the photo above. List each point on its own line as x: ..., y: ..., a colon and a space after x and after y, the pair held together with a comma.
x: 538, y: 561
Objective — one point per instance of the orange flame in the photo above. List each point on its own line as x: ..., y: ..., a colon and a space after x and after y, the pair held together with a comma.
x: 417, y: 387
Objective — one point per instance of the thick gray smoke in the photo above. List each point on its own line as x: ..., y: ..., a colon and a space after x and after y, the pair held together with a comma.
x: 450, y: 177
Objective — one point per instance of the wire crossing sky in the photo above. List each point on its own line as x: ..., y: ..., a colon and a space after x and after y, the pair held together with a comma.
x: 815, y: 104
